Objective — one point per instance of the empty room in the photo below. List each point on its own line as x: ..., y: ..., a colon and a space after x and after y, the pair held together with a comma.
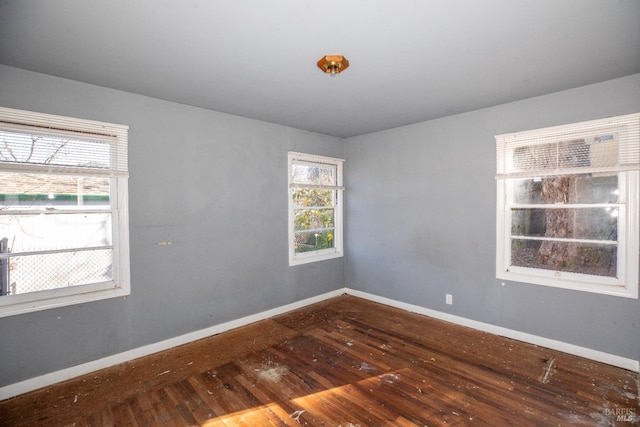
x: 319, y: 213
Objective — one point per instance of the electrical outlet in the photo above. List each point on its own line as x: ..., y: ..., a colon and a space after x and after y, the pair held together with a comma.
x: 449, y: 299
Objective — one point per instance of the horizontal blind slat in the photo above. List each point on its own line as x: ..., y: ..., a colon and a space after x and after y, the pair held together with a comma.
x: 316, y: 186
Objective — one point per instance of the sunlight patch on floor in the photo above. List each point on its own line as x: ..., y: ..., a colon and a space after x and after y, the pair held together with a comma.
x: 333, y: 398
x: 260, y: 415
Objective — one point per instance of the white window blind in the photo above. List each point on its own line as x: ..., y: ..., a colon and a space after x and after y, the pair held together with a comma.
x: 45, y: 143
x: 325, y: 181
x: 598, y: 146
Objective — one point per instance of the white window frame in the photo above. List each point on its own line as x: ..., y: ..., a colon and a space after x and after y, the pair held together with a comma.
x: 120, y: 285
x: 324, y: 254
x: 625, y: 284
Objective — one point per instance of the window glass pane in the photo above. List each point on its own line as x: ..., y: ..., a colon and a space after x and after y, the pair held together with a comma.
x: 41, y: 191
x: 587, y: 223
x: 312, y: 198
x: 34, y: 273
x: 34, y: 148
x: 313, y: 173
x: 40, y: 232
x: 312, y: 219
x: 599, y: 260
x: 582, y: 188
x: 313, y: 240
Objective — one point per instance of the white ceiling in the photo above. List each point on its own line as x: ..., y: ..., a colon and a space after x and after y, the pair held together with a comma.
x: 411, y: 60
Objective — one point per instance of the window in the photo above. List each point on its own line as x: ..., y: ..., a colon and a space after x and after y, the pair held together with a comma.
x: 315, y: 208
x: 63, y: 211
x: 567, y: 212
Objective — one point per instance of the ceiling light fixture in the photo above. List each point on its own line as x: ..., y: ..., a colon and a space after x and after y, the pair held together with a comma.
x: 333, y: 64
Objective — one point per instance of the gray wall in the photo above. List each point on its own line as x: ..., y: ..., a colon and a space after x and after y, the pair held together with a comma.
x: 421, y: 206
x: 213, y: 184
x: 420, y: 223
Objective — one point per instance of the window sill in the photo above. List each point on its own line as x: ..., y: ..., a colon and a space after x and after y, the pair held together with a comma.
x: 309, y: 257
x: 572, y: 281
x: 28, y: 303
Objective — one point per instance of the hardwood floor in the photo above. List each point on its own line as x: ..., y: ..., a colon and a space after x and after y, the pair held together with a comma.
x: 344, y: 362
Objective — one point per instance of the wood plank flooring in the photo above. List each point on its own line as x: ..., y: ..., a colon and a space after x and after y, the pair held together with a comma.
x: 344, y: 362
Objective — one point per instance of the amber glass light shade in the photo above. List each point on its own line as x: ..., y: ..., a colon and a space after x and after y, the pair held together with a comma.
x: 333, y: 64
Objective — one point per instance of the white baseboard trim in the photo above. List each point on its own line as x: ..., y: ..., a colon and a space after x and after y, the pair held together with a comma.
x: 599, y: 356
x: 32, y: 384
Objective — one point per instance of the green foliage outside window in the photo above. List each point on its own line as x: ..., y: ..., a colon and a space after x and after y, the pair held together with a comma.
x: 313, y: 219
